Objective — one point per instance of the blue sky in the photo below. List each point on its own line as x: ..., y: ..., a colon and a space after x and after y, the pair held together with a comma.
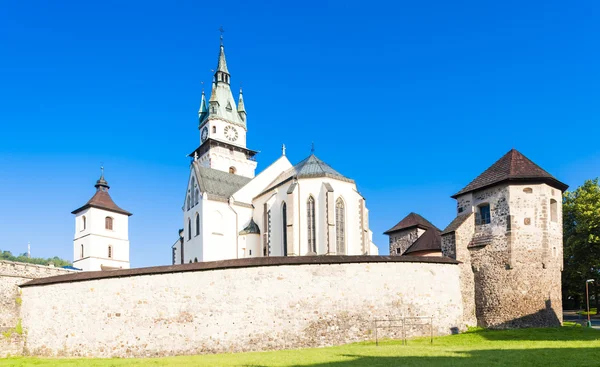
x: 410, y: 99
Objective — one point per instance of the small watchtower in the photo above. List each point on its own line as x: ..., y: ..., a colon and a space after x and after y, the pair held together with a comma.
x: 101, y: 239
x: 508, y: 236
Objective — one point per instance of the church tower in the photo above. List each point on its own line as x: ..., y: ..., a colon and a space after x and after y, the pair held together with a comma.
x: 101, y: 239
x: 223, y: 127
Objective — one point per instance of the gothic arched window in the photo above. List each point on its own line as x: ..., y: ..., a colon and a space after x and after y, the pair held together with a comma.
x: 197, y: 224
x: 108, y: 223
x: 310, y: 213
x: 340, y: 227
x: 197, y: 196
x: 284, y: 225
x: 189, y: 229
x: 188, y: 202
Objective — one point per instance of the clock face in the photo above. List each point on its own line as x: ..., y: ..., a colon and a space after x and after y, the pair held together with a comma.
x: 204, y: 134
x: 231, y: 133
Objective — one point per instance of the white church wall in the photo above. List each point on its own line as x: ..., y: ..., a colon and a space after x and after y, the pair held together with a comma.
x: 303, y: 190
x: 223, y: 159
x: 262, y: 180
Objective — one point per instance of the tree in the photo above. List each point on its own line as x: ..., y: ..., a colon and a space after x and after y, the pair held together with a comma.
x: 57, y: 261
x: 581, y: 241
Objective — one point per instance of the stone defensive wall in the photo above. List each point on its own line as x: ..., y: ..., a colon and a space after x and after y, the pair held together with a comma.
x: 237, y: 305
x: 13, y: 274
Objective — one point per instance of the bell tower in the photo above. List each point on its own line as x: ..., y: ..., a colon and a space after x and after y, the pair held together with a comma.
x: 101, y: 240
x: 223, y: 126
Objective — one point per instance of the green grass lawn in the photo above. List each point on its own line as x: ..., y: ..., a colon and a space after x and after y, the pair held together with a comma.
x: 566, y: 346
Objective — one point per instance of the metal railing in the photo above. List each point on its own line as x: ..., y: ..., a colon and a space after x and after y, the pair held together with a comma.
x: 403, y: 323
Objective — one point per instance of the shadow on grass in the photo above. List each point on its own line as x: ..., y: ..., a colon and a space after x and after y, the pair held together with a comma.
x: 494, y: 357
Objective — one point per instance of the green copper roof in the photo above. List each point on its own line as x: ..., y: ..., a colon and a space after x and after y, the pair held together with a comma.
x: 218, y: 183
x: 251, y: 228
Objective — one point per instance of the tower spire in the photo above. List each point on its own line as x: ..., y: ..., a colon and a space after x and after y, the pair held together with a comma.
x: 222, y: 73
x: 241, y: 108
x: 101, y: 184
x: 203, y: 111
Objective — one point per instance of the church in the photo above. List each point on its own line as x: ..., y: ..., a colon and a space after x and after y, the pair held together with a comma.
x: 230, y: 212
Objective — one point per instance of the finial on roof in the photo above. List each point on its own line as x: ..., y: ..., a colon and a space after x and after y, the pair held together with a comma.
x: 283, y: 149
x: 101, y: 184
x: 222, y: 31
x: 312, y: 147
x: 241, y: 106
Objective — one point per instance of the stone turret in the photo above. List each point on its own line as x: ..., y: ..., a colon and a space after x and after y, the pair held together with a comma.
x: 508, y: 236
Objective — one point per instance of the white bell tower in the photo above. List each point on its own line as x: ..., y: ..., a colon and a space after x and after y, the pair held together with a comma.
x: 101, y: 239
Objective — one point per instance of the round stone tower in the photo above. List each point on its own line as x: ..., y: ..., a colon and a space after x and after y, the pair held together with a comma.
x: 515, y: 245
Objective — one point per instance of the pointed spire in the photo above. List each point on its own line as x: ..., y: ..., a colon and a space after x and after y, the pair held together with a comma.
x: 222, y: 65
x: 241, y: 107
x: 203, y: 108
x: 283, y: 149
x: 101, y: 184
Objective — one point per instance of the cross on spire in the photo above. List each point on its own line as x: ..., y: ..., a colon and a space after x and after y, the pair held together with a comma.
x: 222, y: 31
x: 312, y: 147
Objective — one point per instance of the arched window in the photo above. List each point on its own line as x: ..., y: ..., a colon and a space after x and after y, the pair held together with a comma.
x: 110, y: 252
x: 232, y: 170
x: 214, y: 127
x: 83, y: 222
x: 310, y: 213
x: 553, y: 210
x: 340, y: 227
x: 189, y: 229
x: 284, y: 225
x: 197, y: 196
x: 197, y: 224
x: 82, y: 250
x: 108, y: 223
x: 188, y: 202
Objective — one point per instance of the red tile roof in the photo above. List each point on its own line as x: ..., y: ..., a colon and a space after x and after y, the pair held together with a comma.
x: 429, y: 241
x: 513, y: 167
x: 411, y: 220
x: 102, y: 200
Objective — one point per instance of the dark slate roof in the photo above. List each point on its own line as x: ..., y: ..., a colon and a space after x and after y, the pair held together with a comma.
x: 513, y: 166
x: 310, y: 167
x: 411, y: 220
x: 102, y: 200
x: 457, y: 222
x: 429, y: 241
x: 218, y: 183
x: 251, y: 228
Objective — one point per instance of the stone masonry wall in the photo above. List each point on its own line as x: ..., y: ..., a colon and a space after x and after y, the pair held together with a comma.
x: 517, y: 259
x: 401, y: 240
x: 456, y: 245
x: 238, y: 309
x: 12, y: 274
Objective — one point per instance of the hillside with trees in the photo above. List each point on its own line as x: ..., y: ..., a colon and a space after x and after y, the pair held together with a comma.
x: 57, y: 261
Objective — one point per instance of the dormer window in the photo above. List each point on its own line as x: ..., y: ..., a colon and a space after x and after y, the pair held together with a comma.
x: 483, y: 215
